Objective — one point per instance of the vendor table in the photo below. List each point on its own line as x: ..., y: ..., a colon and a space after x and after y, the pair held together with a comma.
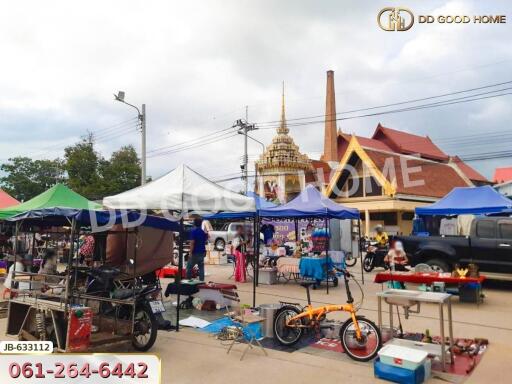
x: 402, y: 297
x: 315, y: 267
x: 424, y: 278
x: 288, y: 268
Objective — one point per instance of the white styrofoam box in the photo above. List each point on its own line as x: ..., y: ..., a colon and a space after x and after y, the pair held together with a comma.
x: 402, y: 357
x: 267, y: 276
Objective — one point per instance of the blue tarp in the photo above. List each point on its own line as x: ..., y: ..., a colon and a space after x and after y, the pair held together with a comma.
x: 310, y: 203
x: 261, y: 203
x: 61, y: 216
x: 469, y: 200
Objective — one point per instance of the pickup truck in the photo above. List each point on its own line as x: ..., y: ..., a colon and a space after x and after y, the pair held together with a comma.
x: 220, y: 238
x: 489, y: 245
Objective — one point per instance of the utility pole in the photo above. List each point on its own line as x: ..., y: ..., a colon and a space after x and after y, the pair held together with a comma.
x: 142, y: 118
x: 141, y: 115
x: 246, y: 155
x: 243, y: 128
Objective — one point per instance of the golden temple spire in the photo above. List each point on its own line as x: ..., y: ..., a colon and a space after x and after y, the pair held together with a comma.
x: 283, y: 128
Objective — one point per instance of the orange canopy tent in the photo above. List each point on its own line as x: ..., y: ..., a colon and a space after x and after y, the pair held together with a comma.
x: 7, y: 200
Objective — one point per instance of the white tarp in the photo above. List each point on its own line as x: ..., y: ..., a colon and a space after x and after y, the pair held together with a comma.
x: 182, y: 190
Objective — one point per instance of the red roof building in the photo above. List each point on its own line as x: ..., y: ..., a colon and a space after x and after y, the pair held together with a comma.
x: 7, y: 200
x: 502, y: 175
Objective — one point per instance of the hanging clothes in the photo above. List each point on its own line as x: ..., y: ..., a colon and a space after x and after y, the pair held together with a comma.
x: 448, y: 227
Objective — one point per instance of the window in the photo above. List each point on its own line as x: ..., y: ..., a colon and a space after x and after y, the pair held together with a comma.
x: 505, y: 230
x: 486, y: 229
x: 408, y: 216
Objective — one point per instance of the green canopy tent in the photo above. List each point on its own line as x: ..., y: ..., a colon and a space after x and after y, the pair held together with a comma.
x: 57, y: 196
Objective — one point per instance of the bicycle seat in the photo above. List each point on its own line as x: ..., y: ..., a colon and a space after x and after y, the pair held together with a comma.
x: 307, y: 284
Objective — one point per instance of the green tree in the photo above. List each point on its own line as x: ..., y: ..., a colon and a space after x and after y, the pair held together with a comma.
x: 25, y: 178
x: 122, y: 172
x: 82, y: 166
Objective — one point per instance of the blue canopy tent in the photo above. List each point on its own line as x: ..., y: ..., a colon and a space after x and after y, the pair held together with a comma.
x: 468, y: 200
x: 64, y: 216
x: 261, y: 203
x: 312, y: 204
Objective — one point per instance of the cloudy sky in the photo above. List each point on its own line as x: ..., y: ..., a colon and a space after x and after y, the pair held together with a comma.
x: 197, y: 64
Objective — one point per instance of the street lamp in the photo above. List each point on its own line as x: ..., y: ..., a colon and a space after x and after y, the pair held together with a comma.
x: 141, y: 115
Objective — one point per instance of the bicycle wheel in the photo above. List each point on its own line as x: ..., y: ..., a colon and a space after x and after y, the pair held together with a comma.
x: 367, y: 346
x: 285, y: 334
x: 350, y: 259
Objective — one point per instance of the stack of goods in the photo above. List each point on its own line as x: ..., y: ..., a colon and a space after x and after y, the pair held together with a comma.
x: 217, y: 257
x: 402, y: 365
x: 320, y: 237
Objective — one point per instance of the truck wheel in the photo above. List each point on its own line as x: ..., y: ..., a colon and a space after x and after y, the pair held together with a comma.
x: 438, y: 265
x: 220, y: 244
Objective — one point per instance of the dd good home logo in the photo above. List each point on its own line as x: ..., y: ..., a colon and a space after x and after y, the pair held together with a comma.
x: 395, y: 19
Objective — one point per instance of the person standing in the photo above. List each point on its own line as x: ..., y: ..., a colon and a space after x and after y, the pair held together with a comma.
x: 239, y: 244
x: 197, y: 249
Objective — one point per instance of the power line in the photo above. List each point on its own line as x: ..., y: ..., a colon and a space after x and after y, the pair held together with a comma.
x: 395, y: 104
x: 197, y: 145
x: 414, y: 108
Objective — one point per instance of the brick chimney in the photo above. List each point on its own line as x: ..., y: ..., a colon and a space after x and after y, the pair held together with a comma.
x: 331, y: 133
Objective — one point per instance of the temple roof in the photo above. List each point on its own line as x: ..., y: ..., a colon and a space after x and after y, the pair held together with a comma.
x: 283, y: 154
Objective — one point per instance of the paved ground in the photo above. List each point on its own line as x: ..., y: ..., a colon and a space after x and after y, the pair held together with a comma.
x: 193, y: 357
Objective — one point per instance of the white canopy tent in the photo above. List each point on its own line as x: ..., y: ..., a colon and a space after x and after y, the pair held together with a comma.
x: 184, y: 191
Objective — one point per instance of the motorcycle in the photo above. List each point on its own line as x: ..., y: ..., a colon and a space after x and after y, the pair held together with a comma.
x: 374, y: 256
x: 148, y: 306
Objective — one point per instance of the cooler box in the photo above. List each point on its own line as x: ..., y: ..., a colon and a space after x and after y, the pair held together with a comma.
x: 402, y: 357
x: 398, y: 375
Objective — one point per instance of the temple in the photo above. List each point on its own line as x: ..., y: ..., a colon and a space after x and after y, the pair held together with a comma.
x: 282, y: 167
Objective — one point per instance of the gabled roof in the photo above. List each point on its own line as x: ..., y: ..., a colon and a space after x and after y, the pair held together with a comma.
x: 400, y: 174
x: 408, y: 143
x: 319, y: 168
x: 365, y: 142
x: 470, y: 172
x: 58, y: 196
x: 7, y: 200
x: 502, y: 175
x: 416, y: 176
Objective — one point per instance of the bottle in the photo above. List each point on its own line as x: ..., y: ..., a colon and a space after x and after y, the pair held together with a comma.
x: 427, y: 338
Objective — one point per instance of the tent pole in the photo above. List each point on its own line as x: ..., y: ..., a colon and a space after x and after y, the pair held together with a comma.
x: 255, y: 259
x: 327, y: 252
x: 177, y: 277
x: 296, y: 221
x: 360, y: 250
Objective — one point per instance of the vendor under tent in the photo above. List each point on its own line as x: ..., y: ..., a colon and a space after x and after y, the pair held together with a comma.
x: 7, y: 200
x: 57, y: 196
x: 311, y: 204
x: 182, y: 191
x: 468, y: 200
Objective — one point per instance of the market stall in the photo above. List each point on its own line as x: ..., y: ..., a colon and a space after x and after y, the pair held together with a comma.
x: 91, y: 304
x: 468, y: 200
x: 180, y: 192
x: 311, y: 204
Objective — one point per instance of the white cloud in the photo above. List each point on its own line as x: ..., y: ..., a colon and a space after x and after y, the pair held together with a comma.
x: 197, y: 64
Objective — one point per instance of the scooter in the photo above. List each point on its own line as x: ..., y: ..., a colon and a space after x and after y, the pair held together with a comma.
x: 148, y: 306
x: 374, y: 256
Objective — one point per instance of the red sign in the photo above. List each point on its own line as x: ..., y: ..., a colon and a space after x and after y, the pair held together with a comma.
x: 79, y: 329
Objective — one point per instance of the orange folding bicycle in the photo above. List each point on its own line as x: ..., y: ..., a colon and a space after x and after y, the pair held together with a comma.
x: 360, y: 337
